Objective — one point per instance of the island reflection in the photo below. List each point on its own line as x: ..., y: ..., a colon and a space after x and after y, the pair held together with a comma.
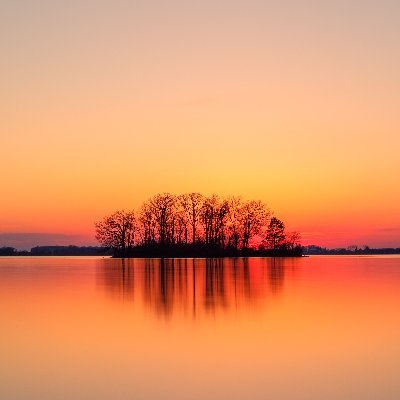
x: 194, y: 286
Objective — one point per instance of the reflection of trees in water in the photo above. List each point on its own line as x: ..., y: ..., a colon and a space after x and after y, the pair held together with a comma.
x: 166, y: 285
x: 193, y: 286
x: 118, y: 277
x: 276, y: 274
x: 215, y: 284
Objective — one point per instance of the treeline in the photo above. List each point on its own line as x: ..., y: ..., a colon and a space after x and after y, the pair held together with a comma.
x: 350, y: 250
x: 55, y: 251
x: 68, y: 251
x: 195, y: 225
x: 11, y: 251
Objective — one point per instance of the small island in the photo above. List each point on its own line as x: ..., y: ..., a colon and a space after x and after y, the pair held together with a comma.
x: 193, y: 225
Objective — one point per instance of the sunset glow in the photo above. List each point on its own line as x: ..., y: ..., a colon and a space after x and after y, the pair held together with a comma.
x: 295, y: 103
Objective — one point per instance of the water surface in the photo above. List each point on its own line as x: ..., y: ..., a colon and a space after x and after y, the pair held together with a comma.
x: 93, y: 328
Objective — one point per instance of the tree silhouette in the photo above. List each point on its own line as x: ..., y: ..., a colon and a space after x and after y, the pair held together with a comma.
x: 234, y: 225
x: 162, y: 207
x: 117, y: 231
x: 191, y: 204
x: 190, y: 224
x: 213, y: 217
x: 147, y: 224
x: 253, y: 216
x: 293, y: 240
x: 275, y: 235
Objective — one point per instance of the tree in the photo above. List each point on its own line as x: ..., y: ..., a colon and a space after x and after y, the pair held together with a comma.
x: 181, y: 224
x: 234, y: 226
x: 293, y: 240
x: 275, y: 235
x: 213, y: 217
x: 117, y: 231
x: 190, y: 206
x: 253, y: 216
x: 147, y: 224
x: 195, y: 204
x: 162, y: 207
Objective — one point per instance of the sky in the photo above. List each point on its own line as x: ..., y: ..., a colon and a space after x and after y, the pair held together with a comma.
x: 105, y: 103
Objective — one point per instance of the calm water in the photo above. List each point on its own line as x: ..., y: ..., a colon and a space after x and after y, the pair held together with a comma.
x: 91, y: 328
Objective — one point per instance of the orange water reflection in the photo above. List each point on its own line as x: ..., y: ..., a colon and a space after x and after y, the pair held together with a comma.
x: 99, y: 329
x: 194, y: 287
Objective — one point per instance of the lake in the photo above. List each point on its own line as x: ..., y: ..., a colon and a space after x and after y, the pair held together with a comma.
x: 325, y: 327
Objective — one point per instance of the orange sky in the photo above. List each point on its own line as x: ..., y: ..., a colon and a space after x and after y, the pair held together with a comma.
x: 106, y: 103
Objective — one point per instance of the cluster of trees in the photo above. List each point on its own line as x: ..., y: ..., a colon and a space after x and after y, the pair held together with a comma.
x: 11, y: 251
x: 193, y: 221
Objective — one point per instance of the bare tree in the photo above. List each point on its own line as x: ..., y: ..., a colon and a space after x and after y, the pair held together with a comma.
x: 213, y: 217
x: 275, y: 235
x: 253, y: 217
x: 192, y: 204
x: 181, y: 225
x: 147, y: 224
x: 234, y: 226
x: 162, y: 209
x: 182, y: 213
x: 293, y: 240
x: 117, y: 231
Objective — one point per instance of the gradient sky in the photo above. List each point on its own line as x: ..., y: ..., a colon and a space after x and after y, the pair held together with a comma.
x: 103, y: 104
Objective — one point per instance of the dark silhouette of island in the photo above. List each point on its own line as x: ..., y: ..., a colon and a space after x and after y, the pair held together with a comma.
x: 193, y: 225
x: 190, y: 251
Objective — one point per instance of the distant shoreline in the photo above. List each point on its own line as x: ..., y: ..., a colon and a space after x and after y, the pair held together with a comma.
x: 148, y: 252
x: 314, y: 250
x: 137, y: 252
